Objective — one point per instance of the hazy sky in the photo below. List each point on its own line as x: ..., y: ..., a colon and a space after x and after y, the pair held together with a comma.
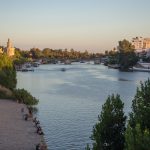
x: 95, y: 25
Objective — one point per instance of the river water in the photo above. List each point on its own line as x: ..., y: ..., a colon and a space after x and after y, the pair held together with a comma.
x: 70, y: 101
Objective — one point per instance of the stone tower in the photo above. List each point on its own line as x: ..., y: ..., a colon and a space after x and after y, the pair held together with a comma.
x: 10, y: 50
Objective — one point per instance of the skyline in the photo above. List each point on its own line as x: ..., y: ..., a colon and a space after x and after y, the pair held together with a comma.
x: 94, y: 25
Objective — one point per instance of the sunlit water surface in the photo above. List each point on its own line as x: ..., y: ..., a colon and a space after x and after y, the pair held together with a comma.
x: 70, y: 101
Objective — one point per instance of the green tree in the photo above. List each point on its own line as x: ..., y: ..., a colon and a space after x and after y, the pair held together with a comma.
x: 7, y: 72
x: 8, y: 78
x: 141, y: 106
x: 138, y: 131
x: 127, y: 56
x: 108, y: 133
x: 136, y: 139
x: 35, y: 53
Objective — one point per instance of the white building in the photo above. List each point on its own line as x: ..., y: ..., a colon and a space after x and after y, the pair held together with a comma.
x: 141, y: 43
x: 138, y: 43
x: 142, y: 46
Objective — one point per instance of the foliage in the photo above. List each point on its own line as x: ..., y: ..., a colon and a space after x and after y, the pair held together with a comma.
x: 127, y: 56
x: 23, y: 96
x: 141, y: 106
x: 138, y: 131
x: 87, y: 147
x: 5, y: 61
x: 35, y: 53
x: 136, y: 139
x: 60, y: 54
x: 125, y: 46
x: 8, y: 78
x: 108, y: 133
x: 7, y: 72
x: 20, y: 61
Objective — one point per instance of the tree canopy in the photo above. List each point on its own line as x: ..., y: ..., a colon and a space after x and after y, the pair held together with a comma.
x: 127, y: 56
x: 138, y: 130
x: 108, y: 133
x: 7, y: 72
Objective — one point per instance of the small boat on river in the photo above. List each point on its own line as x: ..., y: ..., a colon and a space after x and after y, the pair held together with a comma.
x: 63, y: 69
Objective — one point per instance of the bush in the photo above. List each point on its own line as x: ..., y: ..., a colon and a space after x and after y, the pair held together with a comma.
x: 7, y: 72
x: 23, y: 96
x: 8, y: 77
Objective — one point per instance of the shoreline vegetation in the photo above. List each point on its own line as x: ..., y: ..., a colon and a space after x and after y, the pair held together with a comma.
x: 18, y: 125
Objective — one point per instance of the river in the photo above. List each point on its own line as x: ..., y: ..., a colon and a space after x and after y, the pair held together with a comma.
x: 70, y: 101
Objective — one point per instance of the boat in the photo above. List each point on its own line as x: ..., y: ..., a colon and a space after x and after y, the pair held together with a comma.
x: 140, y: 69
x: 36, y: 64
x: 63, y: 69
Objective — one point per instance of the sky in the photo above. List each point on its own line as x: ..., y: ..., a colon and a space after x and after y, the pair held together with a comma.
x: 93, y: 25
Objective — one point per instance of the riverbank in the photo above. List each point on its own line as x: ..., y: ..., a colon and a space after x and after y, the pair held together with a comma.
x: 16, y: 133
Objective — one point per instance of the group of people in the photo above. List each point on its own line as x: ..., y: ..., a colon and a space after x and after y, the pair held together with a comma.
x: 26, y: 116
x: 38, y: 127
x: 42, y: 145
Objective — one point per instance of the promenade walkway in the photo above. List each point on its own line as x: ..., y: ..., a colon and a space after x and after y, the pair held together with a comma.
x: 15, y: 132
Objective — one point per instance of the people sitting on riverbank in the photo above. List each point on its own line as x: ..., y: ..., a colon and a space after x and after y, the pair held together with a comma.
x: 37, y: 123
x: 26, y: 117
x: 30, y: 112
x: 34, y: 119
x: 39, y: 131
x: 41, y: 146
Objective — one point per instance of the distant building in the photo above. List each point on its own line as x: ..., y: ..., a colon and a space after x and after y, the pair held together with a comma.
x: 10, y: 50
x: 138, y: 43
x: 142, y: 46
x: 141, y: 43
x: 146, y: 43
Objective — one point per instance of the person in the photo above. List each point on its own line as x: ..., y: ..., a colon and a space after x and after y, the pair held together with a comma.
x: 34, y: 119
x: 26, y: 117
x: 41, y: 132
x: 38, y: 147
x: 43, y: 146
x: 37, y: 123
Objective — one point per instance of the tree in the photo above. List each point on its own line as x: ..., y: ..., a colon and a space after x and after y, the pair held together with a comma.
x: 108, y: 133
x: 141, y: 106
x: 36, y: 53
x: 138, y: 131
x: 127, y: 56
x: 136, y: 139
x: 7, y: 72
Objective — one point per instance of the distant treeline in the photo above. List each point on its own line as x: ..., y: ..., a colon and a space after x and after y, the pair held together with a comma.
x: 36, y: 53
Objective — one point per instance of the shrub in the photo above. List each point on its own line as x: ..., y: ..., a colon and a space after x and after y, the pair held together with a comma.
x: 23, y: 96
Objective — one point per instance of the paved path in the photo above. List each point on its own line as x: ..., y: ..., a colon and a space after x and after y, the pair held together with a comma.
x: 15, y: 132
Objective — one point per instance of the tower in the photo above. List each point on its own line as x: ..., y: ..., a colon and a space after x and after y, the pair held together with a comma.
x: 10, y: 49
